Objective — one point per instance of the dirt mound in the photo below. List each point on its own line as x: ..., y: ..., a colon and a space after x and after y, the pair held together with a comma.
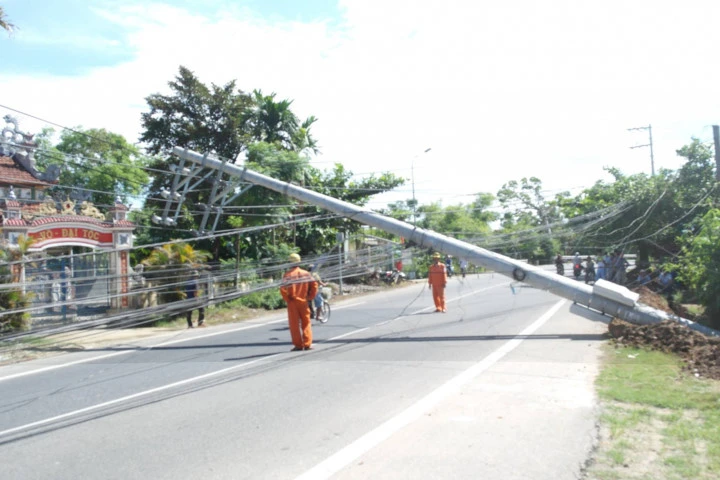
x: 652, y: 299
x: 700, y: 353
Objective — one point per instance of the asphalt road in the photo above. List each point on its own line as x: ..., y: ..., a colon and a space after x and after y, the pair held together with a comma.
x: 500, y: 387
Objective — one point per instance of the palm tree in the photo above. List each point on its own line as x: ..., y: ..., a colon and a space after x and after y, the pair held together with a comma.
x: 13, y: 301
x: 173, y: 264
x: 176, y: 254
x: 4, y: 23
x: 273, y: 122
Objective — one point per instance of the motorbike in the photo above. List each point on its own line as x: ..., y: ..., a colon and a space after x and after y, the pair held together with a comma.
x: 393, y: 276
x: 560, y: 268
x: 577, y: 270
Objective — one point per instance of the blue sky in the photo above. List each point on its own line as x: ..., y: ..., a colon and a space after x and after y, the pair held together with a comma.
x: 70, y: 37
x: 497, y: 90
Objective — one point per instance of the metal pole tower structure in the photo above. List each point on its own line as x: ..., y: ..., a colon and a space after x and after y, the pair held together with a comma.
x: 650, y: 144
x: 605, y: 297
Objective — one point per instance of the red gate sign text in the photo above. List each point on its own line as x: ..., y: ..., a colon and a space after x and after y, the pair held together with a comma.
x: 82, y: 234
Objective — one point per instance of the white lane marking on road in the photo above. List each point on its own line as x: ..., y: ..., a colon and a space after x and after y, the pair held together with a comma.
x: 133, y: 396
x: 347, y: 334
x: 352, y: 452
x: 340, y: 307
x: 162, y: 344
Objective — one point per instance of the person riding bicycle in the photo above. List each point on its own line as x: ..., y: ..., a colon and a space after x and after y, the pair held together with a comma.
x: 317, y: 302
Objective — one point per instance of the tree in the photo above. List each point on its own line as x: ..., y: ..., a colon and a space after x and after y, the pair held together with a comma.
x: 527, y: 223
x: 4, y: 22
x: 526, y: 197
x: 698, y: 266
x: 226, y: 121
x: 197, y: 117
x: 102, y: 162
x: 648, y: 214
x: 13, y: 300
x: 471, y: 222
x: 272, y: 121
x: 172, y: 255
x: 172, y: 262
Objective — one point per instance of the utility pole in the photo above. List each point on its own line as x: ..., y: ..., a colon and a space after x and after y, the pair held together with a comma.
x: 652, y: 159
x: 716, y: 137
x: 605, y: 297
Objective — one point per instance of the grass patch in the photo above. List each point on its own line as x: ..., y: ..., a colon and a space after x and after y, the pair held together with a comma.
x: 657, y: 421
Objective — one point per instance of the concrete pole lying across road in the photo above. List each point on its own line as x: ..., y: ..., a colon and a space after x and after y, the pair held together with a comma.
x: 604, y: 297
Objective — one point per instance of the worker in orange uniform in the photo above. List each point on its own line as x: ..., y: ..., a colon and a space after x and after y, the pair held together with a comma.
x: 437, y: 279
x: 298, y: 288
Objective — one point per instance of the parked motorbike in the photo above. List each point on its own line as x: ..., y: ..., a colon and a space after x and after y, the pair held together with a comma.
x: 577, y: 270
x: 393, y: 276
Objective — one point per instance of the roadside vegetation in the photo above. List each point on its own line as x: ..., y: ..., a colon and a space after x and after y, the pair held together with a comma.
x: 658, y: 420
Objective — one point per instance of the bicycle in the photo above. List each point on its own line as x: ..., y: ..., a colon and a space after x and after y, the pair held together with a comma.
x: 324, y: 311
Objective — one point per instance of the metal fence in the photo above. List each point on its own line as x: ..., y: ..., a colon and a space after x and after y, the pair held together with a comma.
x: 73, y: 295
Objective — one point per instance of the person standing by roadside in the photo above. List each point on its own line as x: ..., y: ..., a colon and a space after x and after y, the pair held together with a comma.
x: 620, y: 266
x: 437, y: 280
x: 600, y: 268
x: 463, y: 267
x: 298, y: 288
x: 192, y: 292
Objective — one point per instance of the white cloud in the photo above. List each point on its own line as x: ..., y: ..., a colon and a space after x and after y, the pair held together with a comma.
x: 499, y: 90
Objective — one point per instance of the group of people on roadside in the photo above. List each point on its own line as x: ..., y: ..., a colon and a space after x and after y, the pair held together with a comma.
x: 612, y: 266
x: 300, y: 290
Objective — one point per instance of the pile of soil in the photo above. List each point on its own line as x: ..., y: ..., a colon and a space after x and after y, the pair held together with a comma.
x: 700, y: 353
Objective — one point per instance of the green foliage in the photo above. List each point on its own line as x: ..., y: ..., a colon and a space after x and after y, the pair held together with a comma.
x: 169, y: 264
x: 698, y: 266
x: 530, y: 223
x: 227, y: 121
x: 101, y: 161
x: 11, y: 320
x: 13, y: 299
x: 268, y: 299
x: 468, y: 222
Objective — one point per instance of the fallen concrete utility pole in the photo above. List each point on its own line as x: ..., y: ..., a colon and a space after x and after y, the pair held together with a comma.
x: 605, y: 297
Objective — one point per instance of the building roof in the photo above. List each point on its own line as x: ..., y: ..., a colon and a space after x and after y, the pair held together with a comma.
x: 13, y: 174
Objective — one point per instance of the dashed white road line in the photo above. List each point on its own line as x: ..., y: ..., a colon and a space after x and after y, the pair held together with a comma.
x: 150, y: 347
x: 131, y: 397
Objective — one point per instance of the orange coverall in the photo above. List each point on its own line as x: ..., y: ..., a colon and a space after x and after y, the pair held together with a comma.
x: 298, y: 288
x: 437, y: 279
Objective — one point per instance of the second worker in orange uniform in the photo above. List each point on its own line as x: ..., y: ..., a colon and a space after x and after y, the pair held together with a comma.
x: 437, y: 279
x: 299, y: 287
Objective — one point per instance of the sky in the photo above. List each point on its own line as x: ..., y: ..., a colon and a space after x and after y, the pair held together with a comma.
x: 497, y: 90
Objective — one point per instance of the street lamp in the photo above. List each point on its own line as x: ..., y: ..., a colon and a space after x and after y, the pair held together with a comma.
x: 412, y: 175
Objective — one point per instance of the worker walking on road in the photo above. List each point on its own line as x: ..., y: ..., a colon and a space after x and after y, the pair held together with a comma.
x: 437, y: 279
x: 298, y: 288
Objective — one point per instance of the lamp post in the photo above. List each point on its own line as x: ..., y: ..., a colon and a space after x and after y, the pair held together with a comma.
x: 412, y: 175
